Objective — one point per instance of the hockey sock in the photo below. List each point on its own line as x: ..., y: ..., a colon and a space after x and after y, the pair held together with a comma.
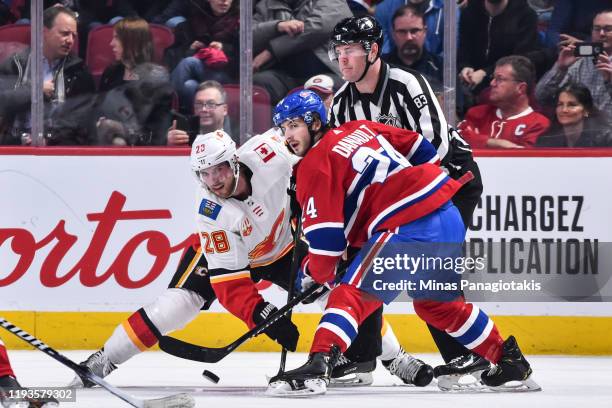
x: 465, y: 322
x: 172, y: 310
x: 5, y: 364
x: 390, y: 344
x: 346, y: 309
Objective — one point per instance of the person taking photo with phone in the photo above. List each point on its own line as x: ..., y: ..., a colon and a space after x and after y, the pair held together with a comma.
x: 594, y: 73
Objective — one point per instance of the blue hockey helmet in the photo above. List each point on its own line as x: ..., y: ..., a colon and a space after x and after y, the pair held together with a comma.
x: 300, y: 104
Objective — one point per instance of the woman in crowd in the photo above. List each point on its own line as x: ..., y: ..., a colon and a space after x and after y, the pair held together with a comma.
x: 577, y: 123
x: 134, y: 107
x: 132, y: 44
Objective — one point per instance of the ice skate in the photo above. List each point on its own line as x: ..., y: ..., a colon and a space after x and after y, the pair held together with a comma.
x: 409, y: 369
x: 99, y: 364
x: 8, y: 383
x: 512, y: 372
x: 462, y: 373
x: 347, y: 373
x: 310, y: 379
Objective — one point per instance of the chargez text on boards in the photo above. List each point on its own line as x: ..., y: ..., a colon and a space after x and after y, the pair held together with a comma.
x: 537, y: 256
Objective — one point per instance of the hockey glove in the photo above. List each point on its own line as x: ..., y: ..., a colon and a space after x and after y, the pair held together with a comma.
x: 283, y: 331
x: 303, y: 282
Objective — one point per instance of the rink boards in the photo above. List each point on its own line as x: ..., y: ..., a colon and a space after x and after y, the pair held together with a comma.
x: 85, y: 239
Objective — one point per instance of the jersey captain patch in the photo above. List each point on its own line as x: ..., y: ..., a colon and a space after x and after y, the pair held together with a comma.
x: 209, y: 209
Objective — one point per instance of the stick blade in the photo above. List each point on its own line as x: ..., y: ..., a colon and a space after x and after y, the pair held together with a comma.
x: 190, y: 351
x: 172, y: 401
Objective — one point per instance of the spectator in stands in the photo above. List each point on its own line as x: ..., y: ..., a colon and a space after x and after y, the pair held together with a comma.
x: 491, y: 29
x: 323, y: 85
x: 433, y: 17
x: 206, y: 47
x: 290, y: 39
x: 361, y: 8
x: 411, y: 51
x: 140, y: 108
x: 65, y: 76
x: 595, y: 73
x: 132, y: 44
x: 543, y: 9
x: 572, y: 19
x: 93, y: 13
x: 577, y: 122
x: 508, y: 121
x: 136, y: 113
x: 211, y: 113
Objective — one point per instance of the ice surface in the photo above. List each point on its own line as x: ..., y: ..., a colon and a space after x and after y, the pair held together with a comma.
x: 567, y: 381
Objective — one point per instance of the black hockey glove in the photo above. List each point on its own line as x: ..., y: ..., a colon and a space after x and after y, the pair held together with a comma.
x: 283, y: 331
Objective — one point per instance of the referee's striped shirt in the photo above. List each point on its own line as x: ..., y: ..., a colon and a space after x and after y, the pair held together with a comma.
x: 402, y: 99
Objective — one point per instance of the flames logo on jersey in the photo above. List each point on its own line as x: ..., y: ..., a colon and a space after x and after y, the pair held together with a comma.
x: 267, y: 244
x: 246, y: 228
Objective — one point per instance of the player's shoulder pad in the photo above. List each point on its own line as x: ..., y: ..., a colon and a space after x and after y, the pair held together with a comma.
x: 263, y: 148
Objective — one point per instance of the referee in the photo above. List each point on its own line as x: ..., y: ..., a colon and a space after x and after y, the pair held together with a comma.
x: 387, y: 94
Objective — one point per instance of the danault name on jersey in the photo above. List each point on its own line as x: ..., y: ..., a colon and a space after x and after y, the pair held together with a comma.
x: 348, y: 144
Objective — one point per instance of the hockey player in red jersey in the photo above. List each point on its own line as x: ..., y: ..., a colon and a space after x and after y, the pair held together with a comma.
x: 242, y: 212
x: 8, y: 382
x: 507, y: 121
x: 357, y: 189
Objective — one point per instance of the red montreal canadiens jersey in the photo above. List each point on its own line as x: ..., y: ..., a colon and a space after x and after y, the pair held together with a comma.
x: 485, y: 122
x: 364, y: 177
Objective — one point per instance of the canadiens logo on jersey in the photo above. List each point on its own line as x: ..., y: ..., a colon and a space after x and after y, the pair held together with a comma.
x: 246, y: 228
x: 209, y: 209
x: 389, y: 119
x: 265, y: 152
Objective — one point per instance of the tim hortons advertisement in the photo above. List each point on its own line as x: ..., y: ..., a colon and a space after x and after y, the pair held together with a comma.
x: 105, y: 233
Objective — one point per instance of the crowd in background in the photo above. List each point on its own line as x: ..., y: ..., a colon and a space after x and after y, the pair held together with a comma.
x: 529, y: 72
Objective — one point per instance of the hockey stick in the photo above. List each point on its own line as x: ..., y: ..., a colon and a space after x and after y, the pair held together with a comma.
x: 292, y: 277
x: 172, y: 401
x: 202, y: 354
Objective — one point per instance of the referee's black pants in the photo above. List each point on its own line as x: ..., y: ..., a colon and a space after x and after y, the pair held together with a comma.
x: 465, y: 200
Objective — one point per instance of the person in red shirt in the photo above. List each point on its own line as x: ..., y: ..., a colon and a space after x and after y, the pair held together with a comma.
x: 508, y: 121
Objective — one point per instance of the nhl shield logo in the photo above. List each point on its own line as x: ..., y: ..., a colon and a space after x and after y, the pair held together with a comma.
x: 389, y: 120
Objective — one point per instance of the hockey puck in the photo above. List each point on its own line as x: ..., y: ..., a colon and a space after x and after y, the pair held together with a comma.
x: 212, y: 377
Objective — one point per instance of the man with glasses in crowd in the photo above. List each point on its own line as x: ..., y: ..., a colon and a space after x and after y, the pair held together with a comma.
x: 593, y: 72
x: 409, y: 33
x: 210, y: 114
x: 507, y: 121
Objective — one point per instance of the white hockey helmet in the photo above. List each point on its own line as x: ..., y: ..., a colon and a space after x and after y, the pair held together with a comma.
x: 211, y: 149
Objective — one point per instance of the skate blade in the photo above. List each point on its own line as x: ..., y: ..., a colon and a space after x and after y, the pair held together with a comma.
x: 461, y: 382
x: 528, y: 385
x: 352, y: 380
x: 310, y: 387
x: 172, y: 401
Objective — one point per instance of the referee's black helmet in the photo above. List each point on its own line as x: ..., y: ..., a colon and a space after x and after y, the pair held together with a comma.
x: 364, y: 30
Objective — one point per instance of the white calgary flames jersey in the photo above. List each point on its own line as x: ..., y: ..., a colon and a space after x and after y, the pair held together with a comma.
x: 236, y: 234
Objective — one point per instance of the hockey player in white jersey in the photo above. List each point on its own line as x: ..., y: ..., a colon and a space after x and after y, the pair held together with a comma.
x: 243, y: 219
